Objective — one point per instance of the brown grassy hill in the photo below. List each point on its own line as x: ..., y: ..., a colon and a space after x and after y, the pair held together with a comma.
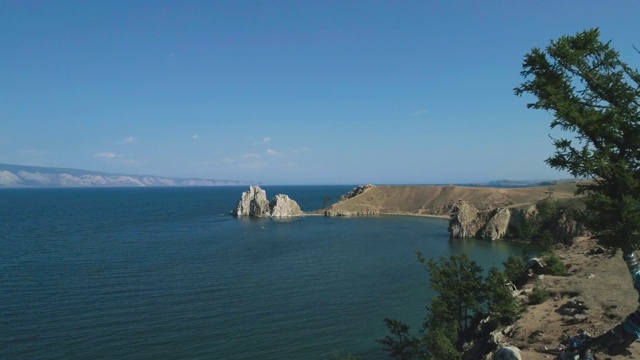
x: 439, y: 200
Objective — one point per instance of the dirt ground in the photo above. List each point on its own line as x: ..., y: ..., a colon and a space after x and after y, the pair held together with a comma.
x: 601, y: 282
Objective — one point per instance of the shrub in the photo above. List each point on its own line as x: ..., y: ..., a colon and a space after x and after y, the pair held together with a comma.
x: 539, y: 295
x: 515, y: 268
x: 554, y: 265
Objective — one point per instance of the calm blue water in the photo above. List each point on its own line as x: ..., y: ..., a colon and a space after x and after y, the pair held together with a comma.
x: 165, y: 273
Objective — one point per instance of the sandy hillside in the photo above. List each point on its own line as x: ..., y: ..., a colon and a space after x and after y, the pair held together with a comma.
x: 601, y: 281
x: 438, y: 200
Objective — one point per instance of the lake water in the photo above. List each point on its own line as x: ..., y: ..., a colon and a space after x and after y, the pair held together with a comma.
x: 166, y: 273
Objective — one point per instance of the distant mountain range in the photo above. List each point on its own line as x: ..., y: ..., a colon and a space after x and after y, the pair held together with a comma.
x: 34, y: 176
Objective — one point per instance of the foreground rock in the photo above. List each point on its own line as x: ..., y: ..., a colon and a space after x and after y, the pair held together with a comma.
x: 254, y: 203
x: 596, y: 296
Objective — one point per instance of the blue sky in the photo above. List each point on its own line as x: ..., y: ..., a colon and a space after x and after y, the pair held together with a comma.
x: 286, y: 92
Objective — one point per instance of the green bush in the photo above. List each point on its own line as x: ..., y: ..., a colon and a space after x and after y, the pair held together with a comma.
x: 554, y: 265
x: 515, y: 268
x: 539, y: 295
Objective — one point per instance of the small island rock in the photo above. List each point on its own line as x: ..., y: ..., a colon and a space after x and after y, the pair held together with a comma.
x: 283, y: 206
x: 253, y: 203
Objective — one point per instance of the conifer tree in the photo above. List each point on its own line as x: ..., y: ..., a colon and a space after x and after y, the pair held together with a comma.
x: 595, y: 97
x: 458, y: 280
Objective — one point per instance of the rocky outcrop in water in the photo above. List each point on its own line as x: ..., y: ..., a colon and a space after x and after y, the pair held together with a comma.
x: 283, y: 206
x: 254, y: 203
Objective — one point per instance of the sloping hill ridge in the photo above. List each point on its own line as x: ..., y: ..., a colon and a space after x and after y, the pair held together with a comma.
x: 31, y: 176
x: 439, y: 200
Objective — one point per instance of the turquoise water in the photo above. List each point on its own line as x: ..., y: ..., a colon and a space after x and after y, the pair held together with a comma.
x: 166, y: 273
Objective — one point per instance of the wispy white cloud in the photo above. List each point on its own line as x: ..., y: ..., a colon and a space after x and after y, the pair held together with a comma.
x: 271, y: 152
x: 106, y: 155
x: 420, y: 112
x: 250, y: 156
x: 264, y: 141
x: 130, y: 140
x: 195, y: 137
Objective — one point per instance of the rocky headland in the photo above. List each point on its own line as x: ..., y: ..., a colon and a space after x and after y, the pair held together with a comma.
x: 473, y: 212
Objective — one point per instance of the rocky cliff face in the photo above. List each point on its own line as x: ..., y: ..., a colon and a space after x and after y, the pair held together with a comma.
x: 254, y: 203
x: 283, y: 206
x: 465, y: 220
x: 468, y: 222
x: 496, y: 227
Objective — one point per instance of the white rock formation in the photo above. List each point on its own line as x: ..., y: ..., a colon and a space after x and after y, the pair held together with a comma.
x: 253, y: 203
x: 283, y: 206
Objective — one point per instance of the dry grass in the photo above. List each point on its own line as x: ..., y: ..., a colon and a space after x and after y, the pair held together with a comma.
x: 438, y: 200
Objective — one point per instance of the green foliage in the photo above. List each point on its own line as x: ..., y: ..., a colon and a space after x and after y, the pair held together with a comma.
x: 594, y: 96
x: 500, y: 302
x: 539, y: 295
x: 437, y: 345
x: 546, y: 239
x: 458, y: 280
x: 515, y: 268
x: 400, y: 345
x: 326, y: 200
x: 547, y: 210
x: 553, y: 264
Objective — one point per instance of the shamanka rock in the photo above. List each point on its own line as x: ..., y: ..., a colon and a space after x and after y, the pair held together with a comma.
x: 283, y: 206
x: 253, y: 203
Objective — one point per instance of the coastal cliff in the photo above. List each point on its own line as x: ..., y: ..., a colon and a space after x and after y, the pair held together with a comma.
x: 543, y: 221
x: 481, y: 212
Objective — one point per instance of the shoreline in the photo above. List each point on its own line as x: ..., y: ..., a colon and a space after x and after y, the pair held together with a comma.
x: 435, y: 216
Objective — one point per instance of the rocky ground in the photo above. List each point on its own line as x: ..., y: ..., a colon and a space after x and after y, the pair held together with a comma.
x: 595, y: 297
